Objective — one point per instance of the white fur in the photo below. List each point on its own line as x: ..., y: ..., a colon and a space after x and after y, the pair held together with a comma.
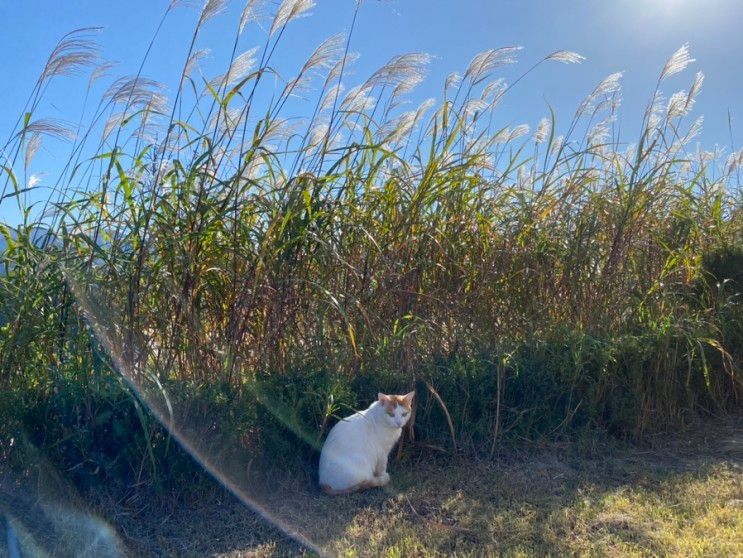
x: 355, y: 452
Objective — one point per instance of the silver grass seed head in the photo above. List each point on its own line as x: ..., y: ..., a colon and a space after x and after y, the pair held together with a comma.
x: 565, y: 57
x: 653, y: 122
x: 225, y: 120
x: 694, y: 129
x: 143, y: 133
x: 133, y: 91
x: 296, y: 85
x: 519, y: 131
x: 631, y: 152
x: 452, y: 80
x: 252, y: 169
x: 678, y: 62
x: 211, y: 9
x: 401, y: 127
x: 405, y: 68
x: 473, y: 107
x: 100, y: 71
x: 678, y: 105
x: 330, y: 96
x: 543, y: 130
x: 502, y: 136
x: 734, y: 161
x: 406, y: 121
x: 493, y: 90
x: 288, y: 11
x: 407, y: 85
x: 280, y: 129
x: 706, y: 157
x: 358, y: 100
x: 326, y: 54
x: 181, y: 4
x: 52, y: 128
x: 485, y: 62
x: 486, y: 162
x: 251, y: 12
x: 521, y: 176
x: 340, y: 66
x: 424, y: 107
x: 322, y: 139
x: 608, y: 86
x: 656, y: 113
x: 72, y: 54
x: 194, y: 59
x: 675, y: 149
x: 598, y: 134
x: 694, y: 90
x: 240, y: 67
x: 477, y: 146
x: 156, y: 104
x: 34, y: 180
x: 557, y: 145
x: 113, y: 121
x: 32, y: 147
x: 317, y: 134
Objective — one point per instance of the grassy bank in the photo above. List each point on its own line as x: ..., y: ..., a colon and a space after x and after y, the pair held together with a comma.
x: 682, y: 495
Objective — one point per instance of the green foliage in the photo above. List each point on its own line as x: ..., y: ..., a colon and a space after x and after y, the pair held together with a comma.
x: 723, y: 269
x: 246, y: 283
x: 295, y: 410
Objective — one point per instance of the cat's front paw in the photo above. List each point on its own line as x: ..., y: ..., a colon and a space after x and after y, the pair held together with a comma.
x: 384, y: 478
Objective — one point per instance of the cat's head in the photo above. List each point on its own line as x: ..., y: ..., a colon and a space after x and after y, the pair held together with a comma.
x: 396, y: 408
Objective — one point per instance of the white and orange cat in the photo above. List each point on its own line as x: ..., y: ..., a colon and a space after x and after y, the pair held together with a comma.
x: 354, y: 456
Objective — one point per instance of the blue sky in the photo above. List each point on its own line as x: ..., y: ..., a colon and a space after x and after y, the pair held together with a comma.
x: 634, y: 36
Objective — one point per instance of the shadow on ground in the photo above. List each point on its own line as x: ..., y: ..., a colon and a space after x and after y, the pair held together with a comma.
x: 681, y: 495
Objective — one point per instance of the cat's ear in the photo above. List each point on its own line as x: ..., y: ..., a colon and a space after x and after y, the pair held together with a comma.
x: 408, y: 398
x: 382, y: 398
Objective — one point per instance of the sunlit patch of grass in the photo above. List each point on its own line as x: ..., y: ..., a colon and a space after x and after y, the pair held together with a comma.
x: 629, y: 503
x: 675, y: 514
x: 687, y: 514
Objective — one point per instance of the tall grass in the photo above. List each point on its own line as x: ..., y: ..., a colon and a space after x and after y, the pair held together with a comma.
x: 222, y: 258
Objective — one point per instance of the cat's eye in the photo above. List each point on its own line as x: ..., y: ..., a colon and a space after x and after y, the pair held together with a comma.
x: 391, y: 414
x: 405, y: 414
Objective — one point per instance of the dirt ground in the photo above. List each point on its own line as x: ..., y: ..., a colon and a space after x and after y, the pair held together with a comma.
x: 680, y: 495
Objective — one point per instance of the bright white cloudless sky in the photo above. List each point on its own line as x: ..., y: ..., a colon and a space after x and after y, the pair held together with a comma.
x: 634, y: 36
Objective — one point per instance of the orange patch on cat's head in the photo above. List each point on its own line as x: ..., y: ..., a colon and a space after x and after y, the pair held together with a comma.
x: 392, y: 401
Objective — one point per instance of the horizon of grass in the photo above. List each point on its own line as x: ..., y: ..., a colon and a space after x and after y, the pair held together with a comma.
x: 680, y: 496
